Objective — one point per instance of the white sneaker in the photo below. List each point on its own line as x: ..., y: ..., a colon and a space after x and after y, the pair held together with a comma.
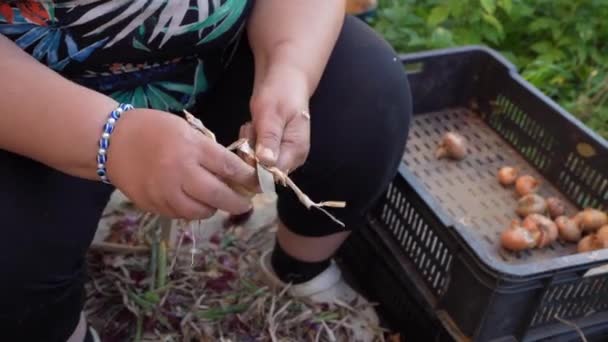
x: 330, y: 287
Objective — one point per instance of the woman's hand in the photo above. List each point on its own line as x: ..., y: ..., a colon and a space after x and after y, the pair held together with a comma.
x: 167, y: 167
x: 291, y: 43
x: 281, y: 122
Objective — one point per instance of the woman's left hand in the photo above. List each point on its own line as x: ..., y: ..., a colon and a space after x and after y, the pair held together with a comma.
x: 281, y: 123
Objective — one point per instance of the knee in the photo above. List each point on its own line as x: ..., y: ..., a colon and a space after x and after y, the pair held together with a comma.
x: 370, y: 97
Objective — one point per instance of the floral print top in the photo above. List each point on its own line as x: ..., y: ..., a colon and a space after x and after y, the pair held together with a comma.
x: 158, y: 54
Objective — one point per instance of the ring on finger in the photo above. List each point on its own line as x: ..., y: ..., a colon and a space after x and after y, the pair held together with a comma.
x: 305, y: 113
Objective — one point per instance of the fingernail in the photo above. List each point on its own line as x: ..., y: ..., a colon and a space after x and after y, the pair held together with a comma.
x: 265, y: 153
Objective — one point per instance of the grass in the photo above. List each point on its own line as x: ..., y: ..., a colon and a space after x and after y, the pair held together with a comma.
x: 560, y: 46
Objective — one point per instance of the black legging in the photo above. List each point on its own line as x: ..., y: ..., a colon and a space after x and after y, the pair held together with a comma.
x: 360, y: 119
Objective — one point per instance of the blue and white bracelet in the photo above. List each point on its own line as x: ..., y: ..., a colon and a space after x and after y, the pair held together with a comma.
x: 104, y: 142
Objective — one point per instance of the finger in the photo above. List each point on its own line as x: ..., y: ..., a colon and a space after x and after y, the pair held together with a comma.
x: 183, y: 206
x: 248, y: 133
x: 226, y: 165
x: 289, y: 159
x: 296, y: 144
x: 269, y: 133
x: 204, y: 187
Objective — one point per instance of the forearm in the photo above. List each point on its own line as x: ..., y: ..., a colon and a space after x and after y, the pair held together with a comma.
x: 296, y: 33
x: 47, y: 118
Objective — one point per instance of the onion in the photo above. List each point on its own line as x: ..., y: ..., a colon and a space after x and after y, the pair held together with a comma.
x: 526, y: 184
x: 589, y: 243
x: 531, y: 204
x: 568, y: 229
x: 242, y: 190
x: 547, y: 228
x: 602, y: 236
x: 507, y: 175
x: 556, y: 207
x: 452, y: 145
x: 591, y: 220
x: 517, y: 238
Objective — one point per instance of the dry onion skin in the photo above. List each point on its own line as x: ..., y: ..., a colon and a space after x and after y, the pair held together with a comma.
x: 526, y: 184
x: 242, y: 145
x: 548, y: 229
x: 516, y: 238
x: 452, y: 145
x: 568, y: 229
x: 556, y: 207
x: 531, y: 204
x: 507, y: 175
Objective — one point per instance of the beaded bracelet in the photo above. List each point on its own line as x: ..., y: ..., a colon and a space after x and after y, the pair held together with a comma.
x: 104, y: 142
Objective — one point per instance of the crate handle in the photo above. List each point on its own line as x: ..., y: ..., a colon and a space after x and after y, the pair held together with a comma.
x: 414, y: 68
x: 596, y: 271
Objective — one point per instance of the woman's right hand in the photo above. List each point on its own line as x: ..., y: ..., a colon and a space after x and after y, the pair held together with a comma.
x: 165, y: 166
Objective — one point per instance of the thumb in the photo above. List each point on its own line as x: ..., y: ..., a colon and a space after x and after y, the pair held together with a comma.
x: 269, y: 133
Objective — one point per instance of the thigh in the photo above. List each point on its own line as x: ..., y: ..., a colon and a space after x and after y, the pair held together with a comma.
x: 48, y: 221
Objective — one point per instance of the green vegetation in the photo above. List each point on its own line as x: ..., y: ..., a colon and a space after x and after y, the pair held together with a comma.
x: 560, y: 46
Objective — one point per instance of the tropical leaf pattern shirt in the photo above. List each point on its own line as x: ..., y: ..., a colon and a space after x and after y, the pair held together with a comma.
x: 158, y: 54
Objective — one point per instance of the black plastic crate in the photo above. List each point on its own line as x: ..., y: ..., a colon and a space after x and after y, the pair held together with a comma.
x: 439, y: 222
x: 405, y: 305
x: 380, y: 277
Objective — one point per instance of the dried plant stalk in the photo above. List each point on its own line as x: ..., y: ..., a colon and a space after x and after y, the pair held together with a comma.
x: 279, y: 176
x: 218, y: 295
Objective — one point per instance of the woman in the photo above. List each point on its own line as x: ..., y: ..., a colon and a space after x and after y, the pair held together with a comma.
x: 327, y: 99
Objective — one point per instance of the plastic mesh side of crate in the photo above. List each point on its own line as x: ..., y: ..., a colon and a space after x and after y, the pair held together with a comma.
x: 584, y: 184
x: 399, y: 304
x: 370, y: 267
x: 415, y: 236
x: 574, y: 299
x: 523, y: 132
x: 580, y: 180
